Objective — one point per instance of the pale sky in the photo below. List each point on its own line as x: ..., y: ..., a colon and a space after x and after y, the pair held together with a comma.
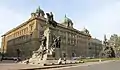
x: 98, y: 16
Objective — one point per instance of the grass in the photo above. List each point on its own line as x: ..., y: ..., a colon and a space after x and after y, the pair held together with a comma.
x: 104, y: 59
x: 90, y: 60
x: 98, y: 59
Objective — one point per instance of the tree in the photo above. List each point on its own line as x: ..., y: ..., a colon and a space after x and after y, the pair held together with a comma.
x: 115, y: 43
x: 115, y: 40
x: 114, y: 37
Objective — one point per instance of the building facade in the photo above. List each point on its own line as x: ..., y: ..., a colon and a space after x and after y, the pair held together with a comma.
x: 27, y: 37
x: 95, y: 47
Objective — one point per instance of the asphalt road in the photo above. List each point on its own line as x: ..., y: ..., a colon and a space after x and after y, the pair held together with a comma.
x: 114, y: 65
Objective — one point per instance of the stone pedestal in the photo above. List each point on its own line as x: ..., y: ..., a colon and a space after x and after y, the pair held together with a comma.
x: 58, y: 53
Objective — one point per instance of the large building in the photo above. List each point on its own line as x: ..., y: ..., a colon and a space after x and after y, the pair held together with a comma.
x: 95, y: 47
x: 27, y: 37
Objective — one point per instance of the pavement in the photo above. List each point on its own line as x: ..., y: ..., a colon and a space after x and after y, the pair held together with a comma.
x: 16, y: 66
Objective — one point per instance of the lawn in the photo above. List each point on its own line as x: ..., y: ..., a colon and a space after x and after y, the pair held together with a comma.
x: 98, y: 59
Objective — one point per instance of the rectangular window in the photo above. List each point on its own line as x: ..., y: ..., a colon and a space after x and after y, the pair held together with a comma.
x: 31, y: 26
x: 24, y: 31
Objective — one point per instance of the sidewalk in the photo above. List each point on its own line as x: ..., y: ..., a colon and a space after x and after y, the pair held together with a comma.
x: 16, y: 66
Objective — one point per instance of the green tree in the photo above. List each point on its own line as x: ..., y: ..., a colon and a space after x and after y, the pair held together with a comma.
x: 115, y: 40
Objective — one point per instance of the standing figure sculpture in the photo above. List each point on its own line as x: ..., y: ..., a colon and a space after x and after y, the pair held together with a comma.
x: 50, y: 19
x: 51, y: 14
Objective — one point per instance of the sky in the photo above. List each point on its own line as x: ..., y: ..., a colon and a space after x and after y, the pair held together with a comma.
x: 98, y: 16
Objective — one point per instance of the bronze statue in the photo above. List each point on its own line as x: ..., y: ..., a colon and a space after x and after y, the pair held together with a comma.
x: 50, y: 19
x: 51, y: 15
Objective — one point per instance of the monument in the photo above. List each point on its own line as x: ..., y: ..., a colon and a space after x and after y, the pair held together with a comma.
x: 45, y: 53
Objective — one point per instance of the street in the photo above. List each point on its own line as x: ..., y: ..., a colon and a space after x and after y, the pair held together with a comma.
x: 114, y: 65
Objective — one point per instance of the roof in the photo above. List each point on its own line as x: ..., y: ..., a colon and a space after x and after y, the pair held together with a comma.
x: 61, y: 25
x: 73, y: 29
x: 25, y: 23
